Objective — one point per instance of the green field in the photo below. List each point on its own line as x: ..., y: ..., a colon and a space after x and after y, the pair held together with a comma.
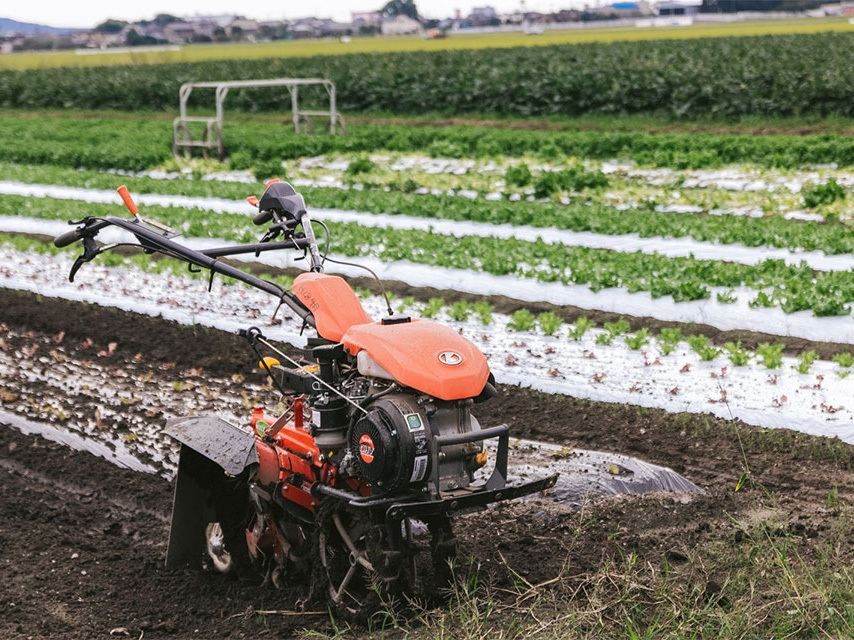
x: 331, y: 46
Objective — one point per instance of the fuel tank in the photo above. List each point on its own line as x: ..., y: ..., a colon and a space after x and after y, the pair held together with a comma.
x: 424, y: 355
x: 421, y: 354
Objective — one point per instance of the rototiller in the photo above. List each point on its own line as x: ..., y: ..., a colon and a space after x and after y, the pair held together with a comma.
x: 377, y: 447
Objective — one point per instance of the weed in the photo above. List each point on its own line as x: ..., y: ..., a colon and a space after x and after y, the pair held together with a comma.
x: 405, y: 303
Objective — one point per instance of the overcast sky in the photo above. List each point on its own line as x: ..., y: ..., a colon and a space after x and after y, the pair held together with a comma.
x: 87, y: 13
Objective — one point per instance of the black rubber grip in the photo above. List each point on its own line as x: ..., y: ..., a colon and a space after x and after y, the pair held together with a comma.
x: 263, y: 217
x: 67, y: 238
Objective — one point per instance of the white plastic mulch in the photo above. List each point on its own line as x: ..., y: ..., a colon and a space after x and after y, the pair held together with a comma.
x: 734, y: 316
x: 814, y: 403
x: 626, y: 243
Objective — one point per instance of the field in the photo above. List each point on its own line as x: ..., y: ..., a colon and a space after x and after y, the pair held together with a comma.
x: 305, y: 48
x: 779, y: 76
x: 675, y: 290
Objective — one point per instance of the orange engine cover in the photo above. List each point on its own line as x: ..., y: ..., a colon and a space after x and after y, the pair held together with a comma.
x: 424, y: 355
x: 332, y: 302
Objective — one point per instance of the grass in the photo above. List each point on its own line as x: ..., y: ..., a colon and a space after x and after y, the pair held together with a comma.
x: 753, y: 580
x: 331, y: 46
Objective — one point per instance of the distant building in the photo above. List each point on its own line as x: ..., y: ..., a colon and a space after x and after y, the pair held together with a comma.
x: 179, y: 32
x: 848, y: 8
x: 243, y: 27
x: 366, y: 18
x: 482, y: 17
x: 318, y: 28
x: 625, y: 9
x: 399, y: 26
x: 679, y: 8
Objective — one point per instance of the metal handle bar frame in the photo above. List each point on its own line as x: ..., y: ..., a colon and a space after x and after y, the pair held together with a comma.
x: 208, y: 258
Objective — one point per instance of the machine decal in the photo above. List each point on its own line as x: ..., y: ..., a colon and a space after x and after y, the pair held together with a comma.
x: 366, y: 448
x: 450, y: 358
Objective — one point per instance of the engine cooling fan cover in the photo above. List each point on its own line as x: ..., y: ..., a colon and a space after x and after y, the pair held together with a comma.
x: 389, y: 444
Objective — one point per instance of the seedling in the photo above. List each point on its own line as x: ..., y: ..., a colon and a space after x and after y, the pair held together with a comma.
x: 582, y: 325
x: 701, y: 345
x: 460, y: 311
x: 405, y: 303
x: 845, y: 360
x: 762, y: 299
x: 433, y: 307
x: 771, y: 355
x: 805, y: 360
x: 738, y: 355
x: 483, y: 310
x: 640, y: 339
x: 617, y: 328
x: 605, y: 338
x: 522, y: 320
x: 550, y: 322
x: 727, y: 297
x: 668, y: 339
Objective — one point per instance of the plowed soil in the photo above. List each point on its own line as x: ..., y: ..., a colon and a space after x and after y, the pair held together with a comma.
x: 82, y: 542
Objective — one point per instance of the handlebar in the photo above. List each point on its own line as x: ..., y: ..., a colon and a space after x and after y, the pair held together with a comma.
x: 154, y: 241
x: 67, y: 238
x: 263, y: 217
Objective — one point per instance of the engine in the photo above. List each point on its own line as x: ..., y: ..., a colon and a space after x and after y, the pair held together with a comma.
x: 390, y: 446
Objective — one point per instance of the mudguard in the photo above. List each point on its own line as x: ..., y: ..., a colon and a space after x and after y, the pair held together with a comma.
x: 213, y: 453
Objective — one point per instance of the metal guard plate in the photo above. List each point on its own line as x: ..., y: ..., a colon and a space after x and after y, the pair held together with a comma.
x: 219, y: 441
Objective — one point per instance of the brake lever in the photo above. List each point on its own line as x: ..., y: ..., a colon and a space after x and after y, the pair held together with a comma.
x: 90, y: 251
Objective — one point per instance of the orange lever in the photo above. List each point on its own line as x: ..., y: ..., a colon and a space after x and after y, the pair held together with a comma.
x: 252, y: 200
x: 129, y: 203
x: 271, y: 181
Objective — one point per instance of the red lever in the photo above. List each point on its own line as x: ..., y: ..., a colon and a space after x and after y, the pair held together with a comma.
x: 252, y: 200
x: 129, y: 203
x: 271, y: 181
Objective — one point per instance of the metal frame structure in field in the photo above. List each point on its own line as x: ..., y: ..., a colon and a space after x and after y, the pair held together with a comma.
x: 182, y: 136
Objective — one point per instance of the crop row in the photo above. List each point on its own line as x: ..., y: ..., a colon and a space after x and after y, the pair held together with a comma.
x: 792, y: 288
x: 725, y: 77
x: 139, y: 143
x: 773, y: 231
x: 665, y: 341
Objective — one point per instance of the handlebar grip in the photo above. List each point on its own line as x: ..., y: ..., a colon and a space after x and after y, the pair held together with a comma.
x: 263, y: 217
x: 67, y: 238
x: 129, y: 203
